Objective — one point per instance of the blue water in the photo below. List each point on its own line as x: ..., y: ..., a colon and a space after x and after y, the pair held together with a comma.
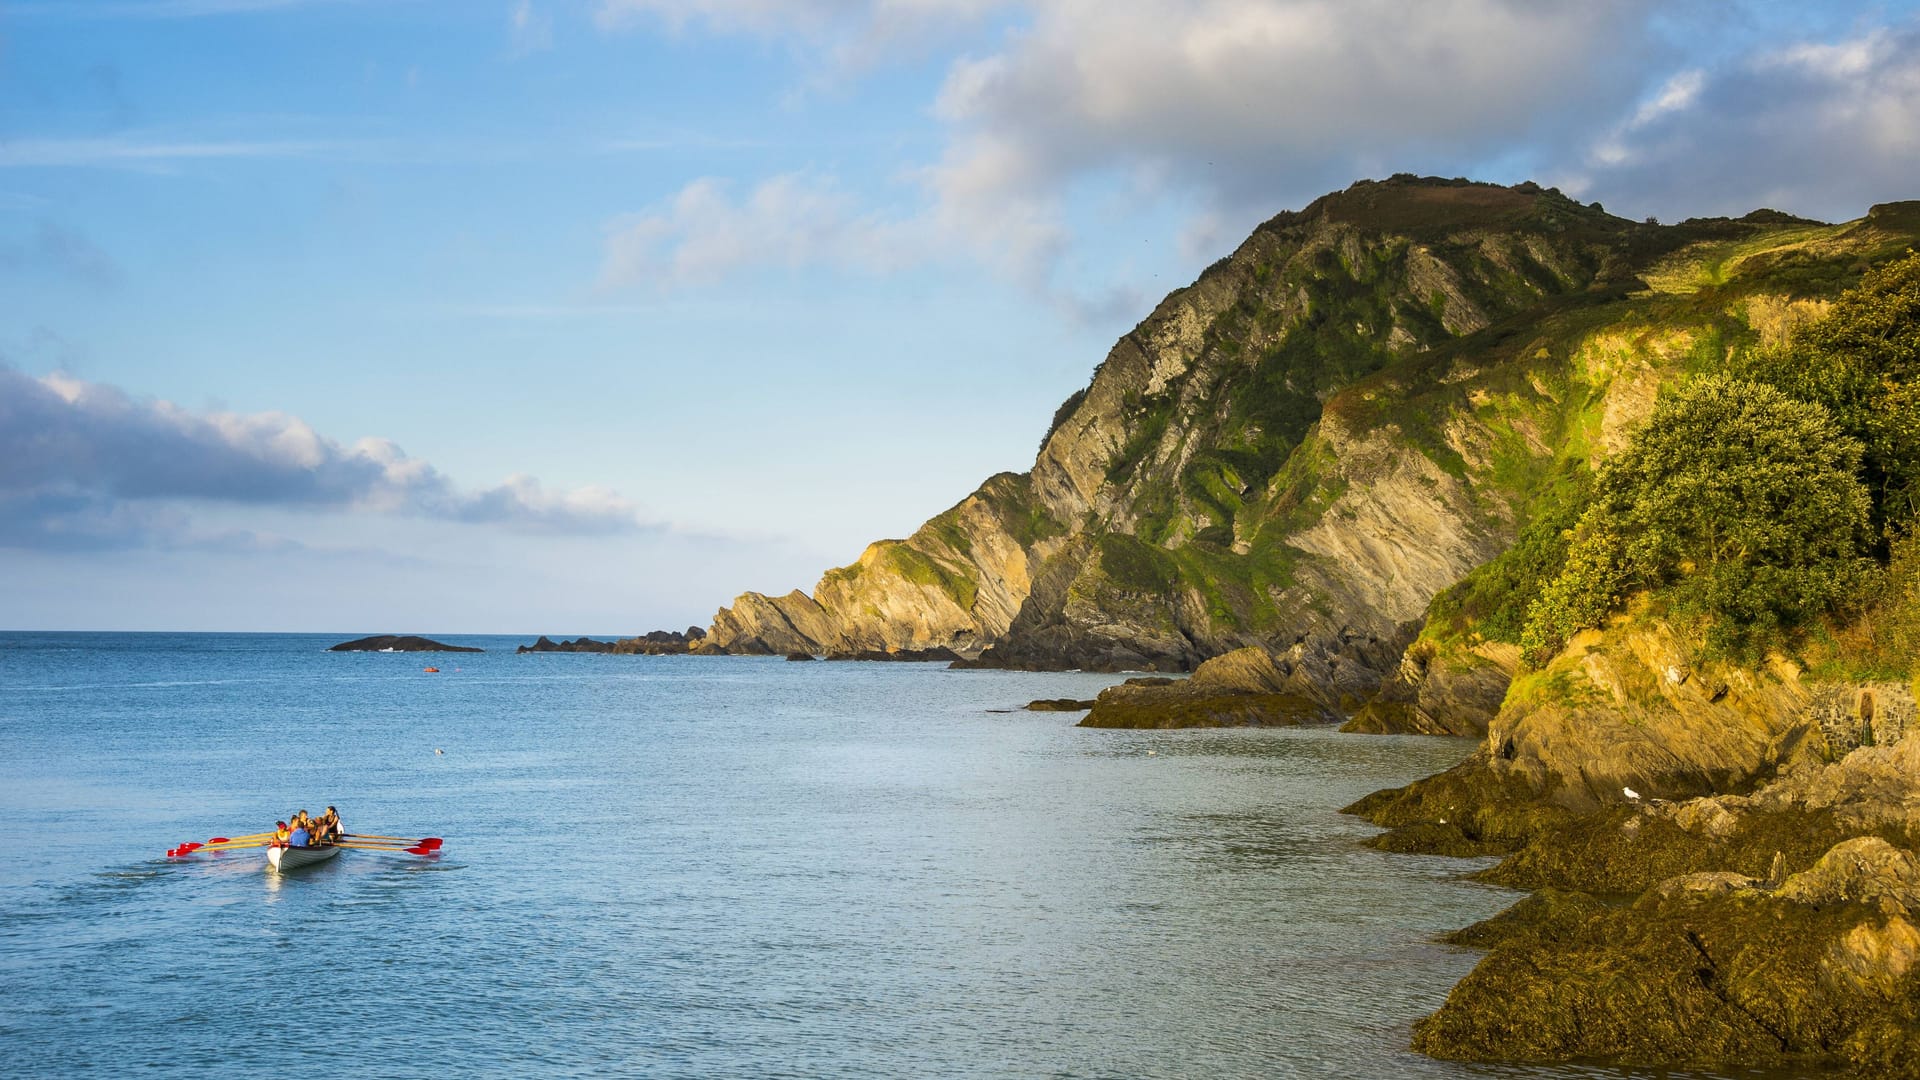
x: 689, y: 866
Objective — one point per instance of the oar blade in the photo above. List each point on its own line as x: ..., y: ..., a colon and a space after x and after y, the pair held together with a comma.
x: 423, y: 851
x: 431, y: 842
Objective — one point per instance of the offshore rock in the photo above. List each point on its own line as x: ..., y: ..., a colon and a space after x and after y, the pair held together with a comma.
x: 1059, y: 705
x: 933, y: 655
x: 577, y: 645
x: 398, y: 643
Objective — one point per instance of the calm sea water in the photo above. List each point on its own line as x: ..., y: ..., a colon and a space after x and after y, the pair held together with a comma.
x: 685, y: 866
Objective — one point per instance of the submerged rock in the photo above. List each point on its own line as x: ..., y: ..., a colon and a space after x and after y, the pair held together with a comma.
x: 1059, y: 705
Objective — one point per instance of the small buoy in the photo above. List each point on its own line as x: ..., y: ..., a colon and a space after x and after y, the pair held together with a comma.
x: 431, y: 670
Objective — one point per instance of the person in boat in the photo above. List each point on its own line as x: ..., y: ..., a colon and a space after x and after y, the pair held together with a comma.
x: 328, y: 831
x: 300, y: 837
x: 280, y: 833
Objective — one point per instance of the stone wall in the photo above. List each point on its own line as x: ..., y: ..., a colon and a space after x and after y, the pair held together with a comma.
x: 1864, y: 714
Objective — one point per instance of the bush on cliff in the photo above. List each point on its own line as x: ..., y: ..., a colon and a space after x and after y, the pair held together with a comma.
x: 1861, y: 362
x: 1735, y: 504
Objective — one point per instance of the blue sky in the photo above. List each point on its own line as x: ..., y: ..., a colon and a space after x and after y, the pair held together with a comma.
x: 542, y: 317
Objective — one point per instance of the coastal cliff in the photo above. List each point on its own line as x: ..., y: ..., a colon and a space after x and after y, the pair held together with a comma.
x: 1364, y: 403
x: 1271, y: 458
x: 1706, y: 761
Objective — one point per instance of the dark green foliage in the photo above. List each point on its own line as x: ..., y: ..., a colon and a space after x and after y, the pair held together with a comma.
x: 1735, y: 504
x: 1862, y: 362
x: 1493, y: 600
x: 1135, y: 565
x: 1061, y: 414
x: 1884, y: 642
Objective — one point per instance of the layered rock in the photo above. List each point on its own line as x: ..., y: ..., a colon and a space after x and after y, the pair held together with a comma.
x: 1245, y: 687
x: 1231, y: 477
x: 1346, y: 415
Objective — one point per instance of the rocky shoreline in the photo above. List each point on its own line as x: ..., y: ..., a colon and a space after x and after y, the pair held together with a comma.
x: 1696, y: 899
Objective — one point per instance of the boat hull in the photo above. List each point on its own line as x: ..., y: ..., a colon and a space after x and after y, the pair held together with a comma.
x: 292, y: 858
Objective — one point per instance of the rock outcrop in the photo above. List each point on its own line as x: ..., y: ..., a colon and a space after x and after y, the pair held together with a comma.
x: 1340, y: 419
x: 1769, y: 929
x: 399, y: 643
x: 546, y: 644
x: 1240, y: 470
x: 655, y: 643
x: 1245, y: 687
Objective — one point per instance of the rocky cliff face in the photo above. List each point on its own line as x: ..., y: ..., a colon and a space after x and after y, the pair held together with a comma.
x: 1334, y: 423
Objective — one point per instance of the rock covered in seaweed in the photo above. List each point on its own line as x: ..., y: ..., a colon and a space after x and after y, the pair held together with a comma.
x: 1704, y: 969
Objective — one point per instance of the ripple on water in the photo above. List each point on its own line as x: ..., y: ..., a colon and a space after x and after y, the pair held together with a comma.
x: 679, y: 867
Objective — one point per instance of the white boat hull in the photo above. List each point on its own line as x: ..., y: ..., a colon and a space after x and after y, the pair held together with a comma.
x: 292, y: 858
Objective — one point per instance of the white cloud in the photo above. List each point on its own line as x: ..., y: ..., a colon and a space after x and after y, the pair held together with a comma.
x: 1234, y: 105
x: 137, y: 153
x: 529, y: 29
x: 1237, y: 98
x: 87, y: 462
x: 165, y: 9
x: 794, y: 220
x: 1823, y: 129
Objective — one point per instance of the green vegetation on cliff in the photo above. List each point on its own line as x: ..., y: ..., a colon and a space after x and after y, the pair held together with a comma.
x: 1735, y: 504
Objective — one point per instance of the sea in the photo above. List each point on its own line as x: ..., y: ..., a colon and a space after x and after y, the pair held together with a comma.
x: 691, y: 867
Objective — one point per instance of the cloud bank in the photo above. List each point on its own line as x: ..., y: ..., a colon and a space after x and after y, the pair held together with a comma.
x: 1228, y: 110
x: 85, y: 465
x: 1820, y: 128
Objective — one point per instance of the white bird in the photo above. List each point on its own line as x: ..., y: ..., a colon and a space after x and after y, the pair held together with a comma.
x: 437, y: 750
x: 1629, y: 793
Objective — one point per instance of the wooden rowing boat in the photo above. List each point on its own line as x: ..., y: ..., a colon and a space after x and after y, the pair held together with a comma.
x: 292, y: 858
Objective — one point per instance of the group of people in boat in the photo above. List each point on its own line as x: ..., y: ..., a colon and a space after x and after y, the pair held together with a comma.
x: 305, y: 830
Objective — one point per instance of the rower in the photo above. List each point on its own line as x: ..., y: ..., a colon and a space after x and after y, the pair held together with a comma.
x: 280, y: 833
x: 299, y: 837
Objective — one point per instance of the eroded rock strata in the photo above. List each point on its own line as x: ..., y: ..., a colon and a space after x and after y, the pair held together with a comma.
x: 1336, y: 422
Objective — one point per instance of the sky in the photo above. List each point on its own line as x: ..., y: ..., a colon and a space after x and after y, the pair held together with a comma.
x: 529, y: 316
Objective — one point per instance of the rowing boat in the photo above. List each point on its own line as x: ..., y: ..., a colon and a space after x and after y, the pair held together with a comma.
x: 292, y: 858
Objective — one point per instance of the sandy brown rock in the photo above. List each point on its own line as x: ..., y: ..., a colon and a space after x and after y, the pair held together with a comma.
x: 1241, y: 688
x: 1441, y: 691
x: 1709, y: 968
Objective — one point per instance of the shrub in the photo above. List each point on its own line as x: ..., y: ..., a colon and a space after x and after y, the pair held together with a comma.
x: 1861, y: 361
x: 1735, y: 504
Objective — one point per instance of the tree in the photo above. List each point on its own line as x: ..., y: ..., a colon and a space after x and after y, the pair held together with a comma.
x: 1734, y: 503
x: 1861, y: 361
